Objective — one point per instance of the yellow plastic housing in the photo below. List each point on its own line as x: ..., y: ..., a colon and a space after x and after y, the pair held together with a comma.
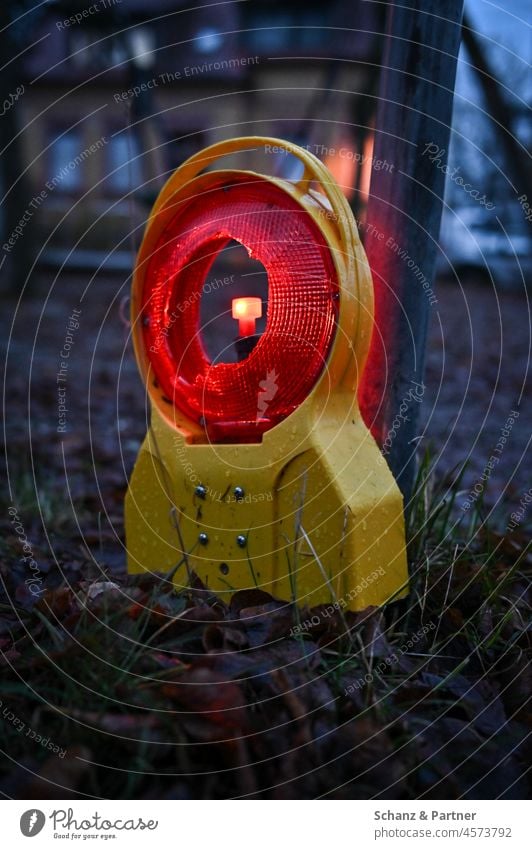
x: 311, y: 513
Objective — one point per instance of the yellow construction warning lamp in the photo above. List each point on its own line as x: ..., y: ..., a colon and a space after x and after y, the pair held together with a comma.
x: 261, y: 472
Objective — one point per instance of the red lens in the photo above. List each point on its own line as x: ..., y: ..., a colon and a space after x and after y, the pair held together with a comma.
x: 238, y: 402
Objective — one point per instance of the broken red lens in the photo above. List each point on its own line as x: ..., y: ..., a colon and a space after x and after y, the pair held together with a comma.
x: 238, y: 402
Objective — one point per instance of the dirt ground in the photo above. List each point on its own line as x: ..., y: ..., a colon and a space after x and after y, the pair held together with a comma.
x: 231, y: 703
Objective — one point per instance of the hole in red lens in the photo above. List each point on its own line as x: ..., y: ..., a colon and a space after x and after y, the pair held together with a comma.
x: 233, y: 275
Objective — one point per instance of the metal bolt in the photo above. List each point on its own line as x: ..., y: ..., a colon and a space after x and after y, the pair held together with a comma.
x: 201, y: 491
x: 241, y: 540
x: 203, y: 539
x: 239, y: 493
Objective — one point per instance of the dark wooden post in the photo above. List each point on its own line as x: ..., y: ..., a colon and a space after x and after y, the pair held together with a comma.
x: 403, y: 216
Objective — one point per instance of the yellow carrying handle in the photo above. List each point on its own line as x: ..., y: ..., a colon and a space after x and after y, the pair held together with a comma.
x: 315, y: 171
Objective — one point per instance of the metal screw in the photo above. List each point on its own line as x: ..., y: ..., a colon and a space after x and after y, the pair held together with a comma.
x: 239, y: 493
x: 201, y: 491
x: 203, y: 539
x: 241, y: 540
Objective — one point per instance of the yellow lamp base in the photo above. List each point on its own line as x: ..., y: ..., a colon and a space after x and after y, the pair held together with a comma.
x: 314, y: 517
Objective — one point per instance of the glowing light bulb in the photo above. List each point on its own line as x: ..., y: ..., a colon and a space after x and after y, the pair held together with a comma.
x: 246, y: 311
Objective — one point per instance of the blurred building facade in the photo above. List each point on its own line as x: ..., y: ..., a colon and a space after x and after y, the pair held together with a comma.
x: 118, y: 94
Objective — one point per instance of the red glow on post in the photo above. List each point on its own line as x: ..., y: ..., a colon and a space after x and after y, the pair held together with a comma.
x: 246, y: 311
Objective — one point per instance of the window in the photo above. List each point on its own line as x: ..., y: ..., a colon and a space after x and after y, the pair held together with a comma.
x: 66, y: 167
x: 95, y: 50
x: 124, y: 171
